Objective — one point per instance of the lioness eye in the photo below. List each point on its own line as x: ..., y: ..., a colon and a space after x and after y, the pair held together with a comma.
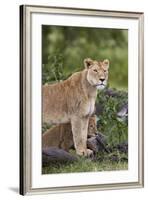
x: 105, y: 70
x: 95, y: 70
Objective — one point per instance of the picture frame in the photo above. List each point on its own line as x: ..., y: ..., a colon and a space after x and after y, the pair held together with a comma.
x: 29, y: 182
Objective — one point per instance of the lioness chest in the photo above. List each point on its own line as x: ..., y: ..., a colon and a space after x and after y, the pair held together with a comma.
x: 90, y: 106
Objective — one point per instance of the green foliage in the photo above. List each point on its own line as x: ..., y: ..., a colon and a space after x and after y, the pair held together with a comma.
x: 64, y: 48
x: 115, y: 130
x: 53, y: 70
x: 45, y: 127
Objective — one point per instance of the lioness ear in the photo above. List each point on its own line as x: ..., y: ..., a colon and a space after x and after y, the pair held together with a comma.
x: 106, y: 63
x: 87, y: 62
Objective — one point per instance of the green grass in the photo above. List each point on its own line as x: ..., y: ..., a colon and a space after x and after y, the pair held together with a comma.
x: 103, y: 162
x: 86, y: 165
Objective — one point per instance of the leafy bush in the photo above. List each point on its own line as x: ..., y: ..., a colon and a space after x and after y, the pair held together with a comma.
x: 108, y: 123
x: 53, y: 69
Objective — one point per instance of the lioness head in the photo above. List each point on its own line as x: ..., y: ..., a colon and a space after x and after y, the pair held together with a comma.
x: 92, y: 126
x: 97, y: 74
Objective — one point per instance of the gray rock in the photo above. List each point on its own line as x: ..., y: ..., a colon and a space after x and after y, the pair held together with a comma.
x: 97, y: 143
x: 122, y: 114
x: 54, y: 155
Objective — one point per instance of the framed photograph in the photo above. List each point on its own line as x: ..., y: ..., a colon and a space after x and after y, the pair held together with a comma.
x: 81, y: 100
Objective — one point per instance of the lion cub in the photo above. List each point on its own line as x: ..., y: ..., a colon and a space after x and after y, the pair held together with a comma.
x: 61, y: 135
x: 73, y: 100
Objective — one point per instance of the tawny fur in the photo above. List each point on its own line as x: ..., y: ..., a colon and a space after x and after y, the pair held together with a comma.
x: 73, y: 100
x: 61, y: 135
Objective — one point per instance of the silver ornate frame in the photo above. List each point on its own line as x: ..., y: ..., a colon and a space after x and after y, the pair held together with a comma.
x: 25, y: 98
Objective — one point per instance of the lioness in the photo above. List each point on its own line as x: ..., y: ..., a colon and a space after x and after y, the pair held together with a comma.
x: 73, y: 100
x: 61, y: 135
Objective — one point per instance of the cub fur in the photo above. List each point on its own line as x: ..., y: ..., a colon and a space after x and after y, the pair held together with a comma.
x: 60, y: 136
x: 73, y: 100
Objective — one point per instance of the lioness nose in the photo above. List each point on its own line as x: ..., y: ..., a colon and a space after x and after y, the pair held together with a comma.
x: 102, y: 79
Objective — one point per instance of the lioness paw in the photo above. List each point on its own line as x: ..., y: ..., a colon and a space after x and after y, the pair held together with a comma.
x: 89, y: 153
